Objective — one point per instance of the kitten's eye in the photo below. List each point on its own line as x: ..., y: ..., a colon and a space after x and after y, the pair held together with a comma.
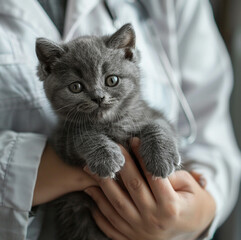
x: 75, y: 87
x: 112, y: 81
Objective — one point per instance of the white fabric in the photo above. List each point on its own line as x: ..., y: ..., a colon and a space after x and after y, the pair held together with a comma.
x: 201, y: 65
x: 20, y: 155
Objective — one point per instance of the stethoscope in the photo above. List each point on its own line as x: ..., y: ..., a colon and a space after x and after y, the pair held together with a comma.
x: 150, y: 28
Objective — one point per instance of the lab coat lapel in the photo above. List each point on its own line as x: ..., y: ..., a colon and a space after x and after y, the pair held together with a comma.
x: 163, y: 16
x: 33, y: 15
x: 75, y: 12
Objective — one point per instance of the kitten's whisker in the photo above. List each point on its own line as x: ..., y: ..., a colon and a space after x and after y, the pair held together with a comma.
x: 75, y: 118
x: 58, y: 109
x: 79, y: 127
x: 87, y: 116
x: 69, y: 122
x: 67, y: 116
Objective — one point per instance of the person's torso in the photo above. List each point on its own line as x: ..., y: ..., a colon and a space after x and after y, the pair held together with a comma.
x: 23, y: 105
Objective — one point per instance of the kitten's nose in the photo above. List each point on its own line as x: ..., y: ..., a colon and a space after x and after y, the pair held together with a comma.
x: 98, y: 100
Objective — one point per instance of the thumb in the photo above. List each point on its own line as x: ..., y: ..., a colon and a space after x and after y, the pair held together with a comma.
x: 182, y: 181
x: 199, y: 178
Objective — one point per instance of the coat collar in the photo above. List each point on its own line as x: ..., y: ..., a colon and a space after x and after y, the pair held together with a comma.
x: 77, y: 10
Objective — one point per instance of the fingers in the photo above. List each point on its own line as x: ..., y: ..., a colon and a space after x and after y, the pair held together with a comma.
x: 118, y: 198
x: 179, y: 180
x: 183, y: 181
x: 161, y: 187
x: 107, y: 210
x: 136, y: 185
x: 106, y: 227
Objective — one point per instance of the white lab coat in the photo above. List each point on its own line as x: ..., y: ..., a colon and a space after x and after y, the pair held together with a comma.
x: 201, y: 66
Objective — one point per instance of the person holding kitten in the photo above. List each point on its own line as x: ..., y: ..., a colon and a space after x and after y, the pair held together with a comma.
x: 32, y: 174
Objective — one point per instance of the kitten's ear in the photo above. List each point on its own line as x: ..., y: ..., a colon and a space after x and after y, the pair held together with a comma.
x: 48, y: 51
x: 125, y: 37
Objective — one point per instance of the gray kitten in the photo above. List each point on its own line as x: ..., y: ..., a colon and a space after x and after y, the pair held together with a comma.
x: 93, y: 84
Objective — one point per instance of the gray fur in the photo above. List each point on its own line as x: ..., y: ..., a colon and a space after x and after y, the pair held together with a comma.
x: 92, y: 122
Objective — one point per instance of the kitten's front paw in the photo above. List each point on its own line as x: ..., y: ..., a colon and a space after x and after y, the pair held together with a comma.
x: 106, y: 161
x: 161, y: 159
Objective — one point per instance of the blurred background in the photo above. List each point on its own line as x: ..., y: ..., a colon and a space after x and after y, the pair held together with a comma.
x: 228, y: 18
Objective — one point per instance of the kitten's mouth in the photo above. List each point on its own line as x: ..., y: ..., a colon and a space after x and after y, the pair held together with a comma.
x: 103, y: 107
x: 97, y: 110
x: 94, y: 108
x: 102, y: 110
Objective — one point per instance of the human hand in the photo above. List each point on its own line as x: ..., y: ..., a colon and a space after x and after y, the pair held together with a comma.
x: 55, y: 178
x: 173, y: 208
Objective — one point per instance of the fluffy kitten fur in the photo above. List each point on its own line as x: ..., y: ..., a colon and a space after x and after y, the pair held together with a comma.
x: 93, y: 84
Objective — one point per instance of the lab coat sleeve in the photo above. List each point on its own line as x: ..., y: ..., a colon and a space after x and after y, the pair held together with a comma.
x: 207, y: 78
x: 20, y: 155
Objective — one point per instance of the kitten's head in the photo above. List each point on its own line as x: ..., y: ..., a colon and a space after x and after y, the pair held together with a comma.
x: 93, y: 77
